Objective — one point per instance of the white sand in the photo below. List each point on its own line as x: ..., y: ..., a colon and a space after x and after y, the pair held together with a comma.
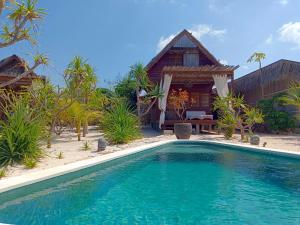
x: 72, y: 149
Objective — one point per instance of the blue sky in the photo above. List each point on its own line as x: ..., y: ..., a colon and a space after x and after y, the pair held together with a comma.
x: 114, y: 34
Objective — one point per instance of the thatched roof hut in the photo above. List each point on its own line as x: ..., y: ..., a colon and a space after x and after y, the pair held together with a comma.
x: 276, y: 78
x: 13, y: 66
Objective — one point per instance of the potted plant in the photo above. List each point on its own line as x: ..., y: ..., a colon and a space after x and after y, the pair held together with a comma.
x: 179, y: 100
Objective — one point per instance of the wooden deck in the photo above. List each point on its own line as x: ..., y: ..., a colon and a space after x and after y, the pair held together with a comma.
x: 199, y: 124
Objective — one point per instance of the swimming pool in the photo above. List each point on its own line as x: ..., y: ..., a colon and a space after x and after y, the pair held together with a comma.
x: 176, y: 183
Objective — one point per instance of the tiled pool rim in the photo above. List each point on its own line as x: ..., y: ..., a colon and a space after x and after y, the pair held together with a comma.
x: 7, y: 184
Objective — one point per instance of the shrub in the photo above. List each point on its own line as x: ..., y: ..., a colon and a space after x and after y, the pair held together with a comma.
x: 276, y: 119
x: 227, y: 123
x: 86, y: 146
x: 234, y: 113
x: 60, y: 155
x: 120, y: 125
x: 2, y: 173
x: 30, y: 163
x: 20, y: 133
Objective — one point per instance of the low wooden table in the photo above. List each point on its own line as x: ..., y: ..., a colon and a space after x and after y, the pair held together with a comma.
x: 200, y: 124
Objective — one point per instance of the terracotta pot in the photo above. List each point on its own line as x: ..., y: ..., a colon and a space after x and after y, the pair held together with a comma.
x: 183, y: 130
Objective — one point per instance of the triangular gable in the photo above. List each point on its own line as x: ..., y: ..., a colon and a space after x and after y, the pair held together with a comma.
x: 183, y: 39
x: 184, y: 42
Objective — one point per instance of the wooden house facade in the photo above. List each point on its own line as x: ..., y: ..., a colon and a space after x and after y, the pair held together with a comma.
x: 189, y: 66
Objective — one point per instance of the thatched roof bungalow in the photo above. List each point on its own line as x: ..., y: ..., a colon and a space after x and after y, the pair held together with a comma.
x: 185, y: 64
x: 276, y: 78
x: 13, y: 66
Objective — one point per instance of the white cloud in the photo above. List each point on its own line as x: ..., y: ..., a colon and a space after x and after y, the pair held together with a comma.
x: 203, y: 29
x: 290, y: 33
x: 198, y: 31
x: 269, y: 39
x: 282, y: 2
x: 223, y: 61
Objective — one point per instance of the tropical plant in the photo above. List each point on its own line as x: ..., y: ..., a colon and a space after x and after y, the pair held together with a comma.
x: 258, y: 57
x: 126, y: 88
x: 51, y: 104
x: 292, y: 96
x: 21, y: 131
x: 30, y: 163
x: 86, y: 146
x: 81, y: 80
x: 75, y: 114
x: 2, y: 172
x: 227, y: 122
x: 60, y: 155
x: 276, y: 118
x: 180, y: 101
x: 146, y: 93
x: 233, y: 112
x: 119, y: 124
x: 22, y: 22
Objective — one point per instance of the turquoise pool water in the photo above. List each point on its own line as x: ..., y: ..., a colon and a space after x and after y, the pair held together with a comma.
x: 179, y: 183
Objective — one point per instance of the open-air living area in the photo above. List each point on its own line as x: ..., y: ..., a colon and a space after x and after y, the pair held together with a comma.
x: 149, y: 112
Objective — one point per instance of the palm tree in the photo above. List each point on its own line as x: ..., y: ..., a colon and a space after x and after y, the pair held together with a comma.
x: 81, y: 79
x: 292, y: 97
x: 258, y: 57
x: 88, y: 88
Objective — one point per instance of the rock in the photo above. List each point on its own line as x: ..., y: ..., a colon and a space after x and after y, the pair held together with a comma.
x: 101, y: 144
x: 254, y: 140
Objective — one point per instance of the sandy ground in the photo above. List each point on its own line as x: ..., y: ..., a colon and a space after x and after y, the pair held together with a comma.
x: 72, y: 149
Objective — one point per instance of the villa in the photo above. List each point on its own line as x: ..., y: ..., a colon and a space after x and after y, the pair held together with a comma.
x: 185, y: 63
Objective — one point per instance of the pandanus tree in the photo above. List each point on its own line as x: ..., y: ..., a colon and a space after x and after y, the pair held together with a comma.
x: 21, y: 25
x: 147, y: 94
x: 81, y: 80
x: 258, y: 57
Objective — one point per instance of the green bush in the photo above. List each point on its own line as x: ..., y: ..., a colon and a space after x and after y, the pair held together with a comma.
x: 276, y: 119
x: 120, y: 125
x: 20, y: 133
x: 30, y: 163
x: 2, y: 172
x: 227, y: 124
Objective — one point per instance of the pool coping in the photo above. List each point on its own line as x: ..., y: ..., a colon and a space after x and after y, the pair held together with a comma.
x: 7, y: 184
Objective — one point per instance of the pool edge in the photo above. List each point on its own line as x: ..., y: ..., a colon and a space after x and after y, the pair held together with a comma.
x: 11, y: 183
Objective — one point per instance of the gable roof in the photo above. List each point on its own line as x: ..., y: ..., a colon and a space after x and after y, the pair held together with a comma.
x: 174, y: 41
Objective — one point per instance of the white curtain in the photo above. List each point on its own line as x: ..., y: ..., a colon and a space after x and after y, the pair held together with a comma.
x: 165, y: 83
x: 221, y: 85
